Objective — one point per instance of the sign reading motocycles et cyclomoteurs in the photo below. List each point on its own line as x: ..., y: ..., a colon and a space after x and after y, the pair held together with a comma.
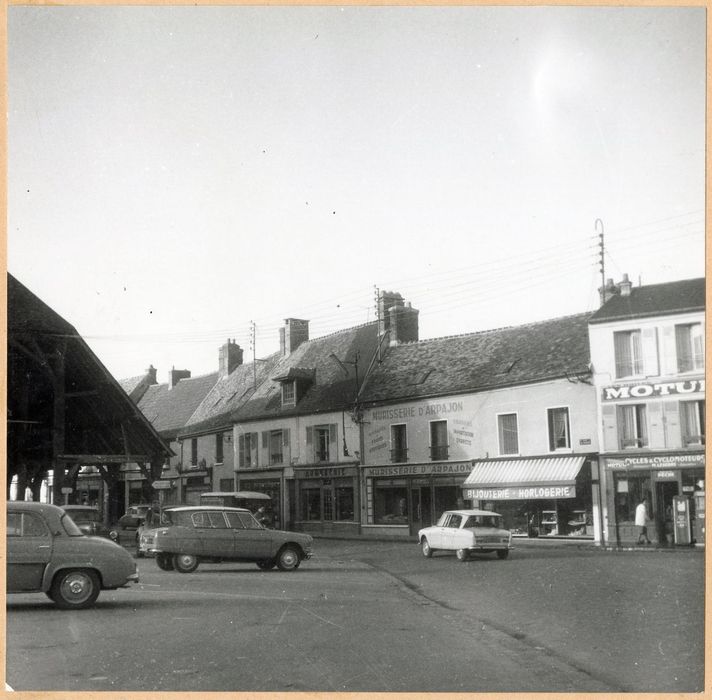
x: 644, y: 389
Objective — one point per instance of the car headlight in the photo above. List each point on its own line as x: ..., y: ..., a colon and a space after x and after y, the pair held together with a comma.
x: 114, y: 535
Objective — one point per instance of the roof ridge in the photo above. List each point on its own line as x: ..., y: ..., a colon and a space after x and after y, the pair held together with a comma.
x: 341, y: 330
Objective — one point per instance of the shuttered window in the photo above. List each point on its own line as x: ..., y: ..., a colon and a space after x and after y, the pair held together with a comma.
x: 628, y: 353
x: 247, y: 449
x: 692, y: 417
x: 689, y: 346
x: 508, y: 434
x: 321, y: 440
x: 632, y: 426
x: 559, y: 437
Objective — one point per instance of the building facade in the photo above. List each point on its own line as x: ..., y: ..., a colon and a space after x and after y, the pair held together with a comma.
x: 647, y: 349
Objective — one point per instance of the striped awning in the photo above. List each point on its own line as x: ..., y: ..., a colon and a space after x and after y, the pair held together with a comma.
x: 518, y: 479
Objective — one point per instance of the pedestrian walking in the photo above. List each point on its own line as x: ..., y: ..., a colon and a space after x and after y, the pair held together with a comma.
x: 641, y: 521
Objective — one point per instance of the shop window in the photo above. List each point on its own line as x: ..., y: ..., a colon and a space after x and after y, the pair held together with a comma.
x: 322, y: 440
x: 328, y: 504
x: 247, y: 449
x: 692, y: 416
x: 399, y: 443
x: 508, y: 434
x: 559, y: 437
x: 690, y: 347
x: 438, y: 440
x: 219, y: 448
x: 390, y: 503
x: 194, y: 452
x: 227, y: 484
x: 344, y: 498
x: 630, y: 490
x: 632, y: 426
x: 311, y: 503
x: 628, y: 353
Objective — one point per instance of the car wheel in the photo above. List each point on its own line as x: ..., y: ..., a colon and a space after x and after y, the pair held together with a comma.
x: 164, y: 561
x: 288, y: 559
x: 185, y: 563
x: 425, y: 548
x: 462, y: 554
x: 267, y: 564
x: 75, y: 589
x: 502, y: 553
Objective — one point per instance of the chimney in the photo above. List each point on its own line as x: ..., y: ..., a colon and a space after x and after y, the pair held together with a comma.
x: 385, y: 301
x: 151, y: 375
x: 293, y: 334
x: 625, y: 285
x: 608, y: 291
x: 229, y: 357
x: 403, y: 322
x: 175, y: 375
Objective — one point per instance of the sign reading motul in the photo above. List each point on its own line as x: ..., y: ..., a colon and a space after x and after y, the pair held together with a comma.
x: 639, y: 391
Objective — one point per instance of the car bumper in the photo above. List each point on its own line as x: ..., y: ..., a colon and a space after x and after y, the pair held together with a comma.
x: 133, y: 578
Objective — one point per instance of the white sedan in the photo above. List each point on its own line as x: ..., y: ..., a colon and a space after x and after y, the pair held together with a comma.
x: 466, y: 531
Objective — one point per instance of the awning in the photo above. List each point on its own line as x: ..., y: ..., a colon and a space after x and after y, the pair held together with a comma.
x: 522, y: 479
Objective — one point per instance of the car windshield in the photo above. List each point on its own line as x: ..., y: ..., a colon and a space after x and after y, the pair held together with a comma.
x: 70, y: 527
x: 84, y: 516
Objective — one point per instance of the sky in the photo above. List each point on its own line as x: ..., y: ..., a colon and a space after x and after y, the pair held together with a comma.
x: 180, y: 175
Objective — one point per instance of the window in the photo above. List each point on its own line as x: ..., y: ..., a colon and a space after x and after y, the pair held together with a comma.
x: 508, y: 434
x: 219, y: 448
x: 288, y: 394
x: 630, y: 489
x: 247, y: 449
x: 25, y: 525
x: 632, y: 426
x: 629, y: 353
x: 559, y: 437
x: 390, y: 502
x: 690, y: 347
x: 242, y: 521
x: 275, y: 447
x: 692, y: 417
x: 227, y: 484
x: 311, y: 502
x: 438, y: 440
x: 322, y: 439
x: 344, y: 497
x: 194, y: 452
x: 454, y: 521
x: 399, y: 443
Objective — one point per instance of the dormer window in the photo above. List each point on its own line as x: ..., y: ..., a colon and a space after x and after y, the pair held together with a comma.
x: 289, y: 393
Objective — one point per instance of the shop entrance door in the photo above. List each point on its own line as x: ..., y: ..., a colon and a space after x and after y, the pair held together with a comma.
x: 420, y: 507
x: 664, y: 526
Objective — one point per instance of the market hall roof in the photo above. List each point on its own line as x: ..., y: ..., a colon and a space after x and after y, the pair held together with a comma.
x: 535, y: 352
x: 329, y: 360
x: 654, y: 300
x: 102, y: 424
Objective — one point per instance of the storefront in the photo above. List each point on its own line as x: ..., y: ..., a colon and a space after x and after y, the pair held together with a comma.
x: 399, y: 500
x: 537, y: 496
x: 660, y: 479
x: 325, y: 500
x: 269, y: 482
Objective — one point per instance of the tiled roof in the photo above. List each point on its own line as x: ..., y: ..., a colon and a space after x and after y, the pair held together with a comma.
x: 131, y: 383
x: 169, y: 409
x: 654, y: 300
x: 332, y: 389
x: 228, y: 394
x: 478, y: 361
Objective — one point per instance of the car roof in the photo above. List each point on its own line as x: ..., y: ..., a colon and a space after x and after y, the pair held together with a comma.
x: 34, y: 505
x: 473, y: 511
x: 77, y: 507
x: 175, y: 509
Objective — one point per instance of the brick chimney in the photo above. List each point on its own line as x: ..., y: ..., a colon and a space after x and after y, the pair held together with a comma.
x: 175, y: 375
x: 151, y: 375
x: 625, y: 285
x: 403, y: 321
x: 610, y: 290
x: 230, y: 357
x: 385, y: 301
x: 294, y: 332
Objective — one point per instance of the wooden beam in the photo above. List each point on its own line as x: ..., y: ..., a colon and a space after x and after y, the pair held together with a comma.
x: 103, y: 459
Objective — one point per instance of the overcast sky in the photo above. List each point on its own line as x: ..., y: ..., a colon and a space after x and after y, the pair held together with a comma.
x: 178, y: 172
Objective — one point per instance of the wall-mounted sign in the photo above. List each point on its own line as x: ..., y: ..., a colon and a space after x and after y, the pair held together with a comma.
x: 644, y: 389
x: 66, y: 489
x: 585, y: 441
x: 665, y: 475
x: 659, y: 462
x: 418, y: 469
x: 519, y: 493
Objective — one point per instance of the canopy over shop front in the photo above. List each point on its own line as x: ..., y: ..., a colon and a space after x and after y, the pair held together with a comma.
x: 524, y: 478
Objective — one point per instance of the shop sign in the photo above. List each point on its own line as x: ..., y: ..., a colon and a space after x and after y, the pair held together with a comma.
x: 405, y: 412
x: 324, y: 472
x: 643, y: 390
x: 418, y: 469
x: 665, y: 475
x: 659, y: 462
x: 520, y: 493
x: 161, y: 485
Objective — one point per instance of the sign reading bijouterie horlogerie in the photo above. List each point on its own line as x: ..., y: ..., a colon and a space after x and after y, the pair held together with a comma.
x: 656, y: 462
x: 519, y: 493
x: 616, y: 392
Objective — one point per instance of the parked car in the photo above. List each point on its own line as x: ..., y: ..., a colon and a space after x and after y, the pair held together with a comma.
x: 125, y: 531
x: 47, y: 552
x: 191, y: 534
x: 466, y: 532
x: 88, y: 519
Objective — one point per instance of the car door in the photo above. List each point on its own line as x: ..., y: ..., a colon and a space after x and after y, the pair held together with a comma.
x: 216, y: 538
x: 252, y: 541
x: 451, y: 532
x: 29, y: 549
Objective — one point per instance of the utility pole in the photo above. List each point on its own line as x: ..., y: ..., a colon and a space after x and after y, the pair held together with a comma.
x: 377, y: 298
x: 602, y: 251
x: 253, y: 345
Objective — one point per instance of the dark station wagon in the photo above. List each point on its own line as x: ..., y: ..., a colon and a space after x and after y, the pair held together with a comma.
x: 191, y: 534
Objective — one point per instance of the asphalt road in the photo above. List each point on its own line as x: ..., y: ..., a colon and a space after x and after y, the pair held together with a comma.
x: 379, y: 617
